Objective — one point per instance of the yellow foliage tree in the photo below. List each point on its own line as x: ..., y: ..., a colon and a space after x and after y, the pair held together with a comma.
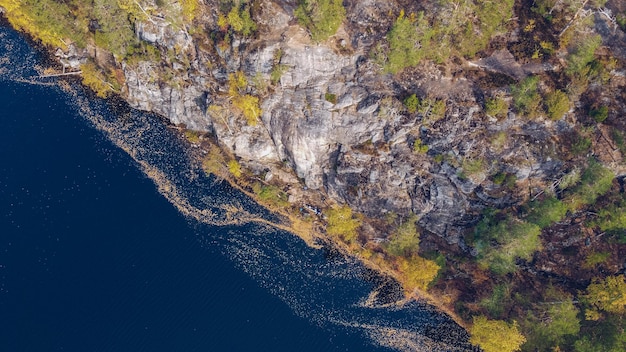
x: 26, y: 17
x: 608, y: 294
x: 189, y: 8
x: 241, y: 21
x: 237, y: 83
x: 215, y: 163
x: 222, y: 22
x: 249, y: 107
x: 247, y: 104
x: 496, y: 335
x: 341, y: 223
x: 405, y: 240
x: 234, y: 168
x: 96, y: 80
x: 134, y: 9
x: 417, y: 272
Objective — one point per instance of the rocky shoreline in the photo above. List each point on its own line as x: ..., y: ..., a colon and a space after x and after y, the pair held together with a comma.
x: 472, y: 145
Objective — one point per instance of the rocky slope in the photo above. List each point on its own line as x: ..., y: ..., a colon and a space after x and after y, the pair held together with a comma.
x: 358, y: 146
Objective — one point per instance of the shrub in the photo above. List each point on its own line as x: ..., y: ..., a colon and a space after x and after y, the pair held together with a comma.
x: 277, y: 72
x: 498, y: 178
x: 192, y: 136
x: 547, y: 47
x: 260, y: 84
x: 582, y: 54
x: 596, y: 258
x: 432, y: 110
x: 131, y: 7
x: 142, y: 51
x: 222, y: 22
x: 543, y: 7
x: 496, y: 107
x: 331, y: 98
x: 612, y: 219
x: 621, y: 21
x: 595, y: 181
x: 570, y: 179
x: 600, y: 114
x: 271, y: 194
x: 510, y: 180
x: 581, y: 145
x: 321, y: 17
x: 557, y: 104
x: 525, y: 96
x: 473, y: 166
x: 498, y: 141
x: 419, y: 147
x: 405, y: 240
x: 412, y: 103
x: 618, y: 137
x: 496, y: 302
x: 237, y: 83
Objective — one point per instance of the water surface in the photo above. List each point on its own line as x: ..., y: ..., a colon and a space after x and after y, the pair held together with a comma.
x: 96, y: 256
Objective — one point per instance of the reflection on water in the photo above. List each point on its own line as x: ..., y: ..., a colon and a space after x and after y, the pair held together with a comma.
x: 325, y: 288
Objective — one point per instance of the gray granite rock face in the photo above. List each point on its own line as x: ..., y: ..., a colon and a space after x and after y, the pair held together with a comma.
x: 333, y: 117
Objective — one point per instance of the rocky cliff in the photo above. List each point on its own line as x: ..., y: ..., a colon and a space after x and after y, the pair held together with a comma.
x: 335, y: 119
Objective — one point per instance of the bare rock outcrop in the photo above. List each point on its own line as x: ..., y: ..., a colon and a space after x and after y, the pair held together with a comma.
x: 335, y: 119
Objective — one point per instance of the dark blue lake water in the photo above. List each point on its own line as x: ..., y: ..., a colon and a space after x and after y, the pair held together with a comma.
x: 96, y: 256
